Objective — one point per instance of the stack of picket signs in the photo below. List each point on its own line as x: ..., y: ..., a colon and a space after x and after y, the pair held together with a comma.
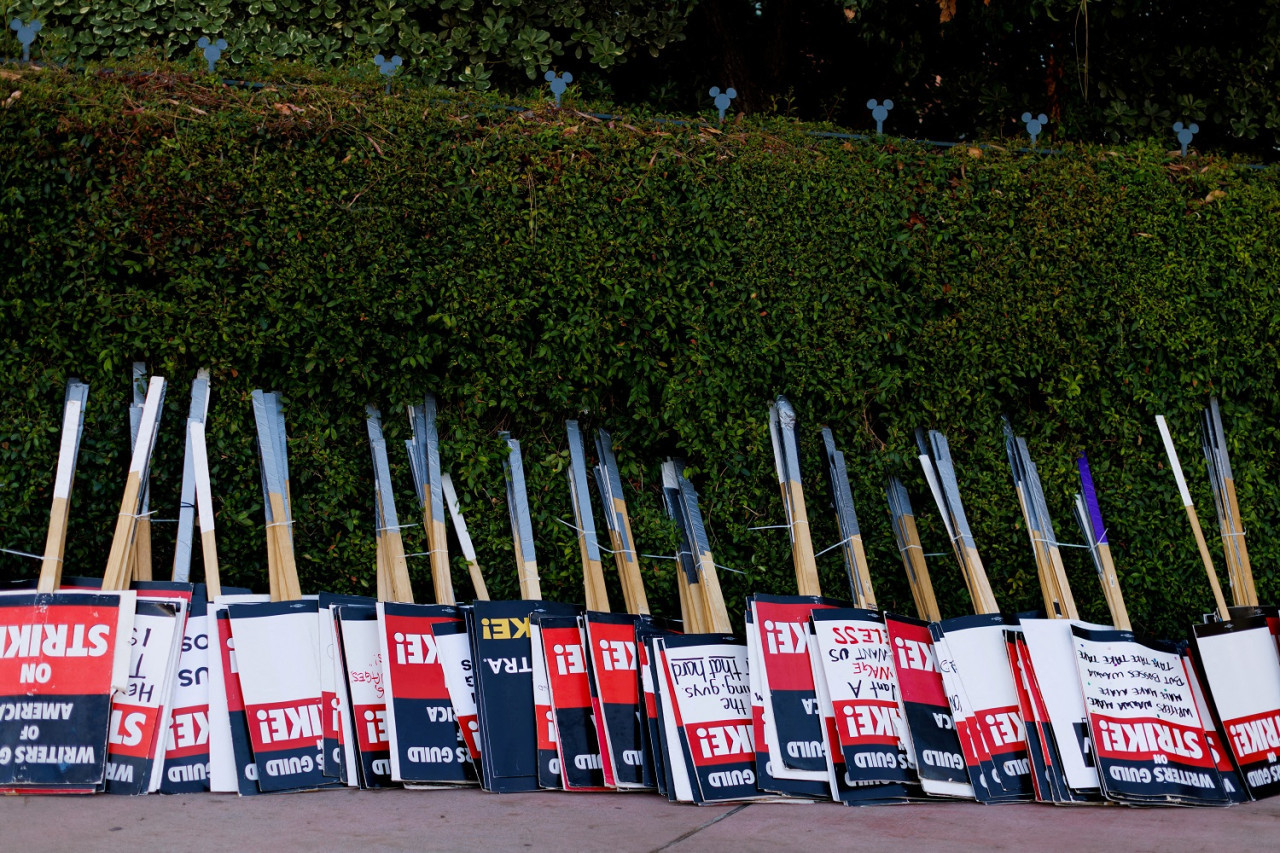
x: 126, y: 684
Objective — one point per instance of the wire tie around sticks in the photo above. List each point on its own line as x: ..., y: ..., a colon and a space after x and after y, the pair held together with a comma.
x: 395, y: 527
x: 839, y: 544
x: 25, y: 554
x: 772, y: 527
x: 427, y: 553
x: 288, y: 523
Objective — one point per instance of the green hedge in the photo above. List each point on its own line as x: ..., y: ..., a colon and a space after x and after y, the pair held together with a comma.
x: 663, y: 280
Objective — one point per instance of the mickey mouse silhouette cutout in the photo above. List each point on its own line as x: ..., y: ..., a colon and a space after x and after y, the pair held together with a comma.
x: 558, y: 83
x: 212, y: 50
x: 723, y: 98
x: 388, y: 67
x: 1185, y: 134
x: 26, y: 35
x: 880, y: 112
x: 1034, y: 125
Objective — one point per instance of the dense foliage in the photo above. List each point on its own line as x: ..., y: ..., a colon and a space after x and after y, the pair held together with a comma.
x: 1113, y: 71
x: 662, y: 280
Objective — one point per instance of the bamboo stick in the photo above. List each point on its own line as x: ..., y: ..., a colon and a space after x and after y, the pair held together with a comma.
x: 187, y: 508
x: 913, y: 560
x: 117, y: 572
x: 464, y: 538
x: 141, y: 559
x: 521, y: 524
x: 597, y: 596
x: 204, y: 503
x: 1089, y: 517
x: 618, y: 523
x: 1187, y: 504
x: 855, y: 557
x: 715, y: 615
x: 55, y: 543
x: 782, y: 429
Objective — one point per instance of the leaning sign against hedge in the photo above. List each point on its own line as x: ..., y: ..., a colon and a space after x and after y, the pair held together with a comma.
x: 657, y: 280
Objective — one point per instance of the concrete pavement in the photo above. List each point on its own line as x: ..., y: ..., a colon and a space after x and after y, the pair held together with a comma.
x: 616, y: 823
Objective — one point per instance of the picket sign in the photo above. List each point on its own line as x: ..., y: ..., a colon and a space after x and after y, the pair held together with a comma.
x: 279, y: 661
x: 792, y: 723
x: 367, y: 693
x: 515, y: 752
x: 842, y: 776
x: 582, y: 763
x: 705, y: 694
x: 1147, y: 734
x: 425, y: 743
x: 855, y: 672
x: 653, y: 724
x: 933, y: 742
x: 186, y: 758
x: 1050, y: 645
x: 140, y: 716
x: 63, y: 656
x: 1233, y: 782
x: 341, y: 749
x: 796, y: 785
x: 614, y: 668
x: 974, y: 662
x: 231, y: 766
x: 1242, y: 680
x: 453, y: 648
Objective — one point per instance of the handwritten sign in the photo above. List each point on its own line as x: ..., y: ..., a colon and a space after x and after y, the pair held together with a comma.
x: 1147, y: 733
x: 140, y: 714
x: 858, y: 674
x: 706, y: 677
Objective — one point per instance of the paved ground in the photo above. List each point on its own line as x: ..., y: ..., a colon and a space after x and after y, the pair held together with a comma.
x: 616, y: 823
